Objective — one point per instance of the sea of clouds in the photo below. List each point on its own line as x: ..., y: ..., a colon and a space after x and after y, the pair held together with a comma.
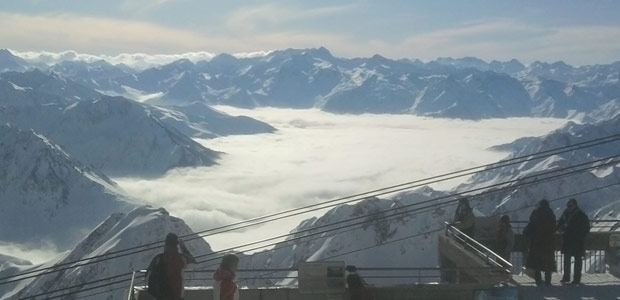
x: 316, y: 156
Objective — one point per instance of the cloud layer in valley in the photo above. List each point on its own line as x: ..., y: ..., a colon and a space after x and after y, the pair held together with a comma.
x: 316, y: 156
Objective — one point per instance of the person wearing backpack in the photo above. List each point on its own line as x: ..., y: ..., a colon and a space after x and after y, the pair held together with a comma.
x: 165, y: 275
x: 225, y: 287
x: 574, y: 226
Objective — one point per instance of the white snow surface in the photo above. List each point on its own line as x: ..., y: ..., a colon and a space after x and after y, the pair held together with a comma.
x: 63, y: 197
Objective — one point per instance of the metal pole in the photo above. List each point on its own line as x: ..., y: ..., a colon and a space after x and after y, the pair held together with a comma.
x: 130, y: 295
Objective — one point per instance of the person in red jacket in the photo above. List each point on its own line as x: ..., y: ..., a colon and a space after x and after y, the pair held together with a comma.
x: 175, y: 263
x: 225, y: 287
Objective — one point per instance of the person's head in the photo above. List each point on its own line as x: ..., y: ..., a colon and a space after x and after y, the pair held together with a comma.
x: 350, y: 269
x: 543, y: 203
x: 571, y: 204
x: 464, y: 204
x: 230, y: 262
x: 172, y: 240
x: 505, y: 219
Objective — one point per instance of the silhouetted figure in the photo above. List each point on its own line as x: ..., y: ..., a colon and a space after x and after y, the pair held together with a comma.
x: 175, y: 263
x: 464, y: 219
x: 574, y: 226
x: 225, y: 287
x: 505, y: 238
x: 539, y: 231
x: 357, y: 287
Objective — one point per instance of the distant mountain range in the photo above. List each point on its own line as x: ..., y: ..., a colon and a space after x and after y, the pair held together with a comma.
x: 468, y: 88
x: 113, y: 134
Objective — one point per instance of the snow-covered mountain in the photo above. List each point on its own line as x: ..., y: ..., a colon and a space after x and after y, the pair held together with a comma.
x: 113, y: 134
x: 417, y: 251
x: 604, y: 203
x: 466, y: 87
x: 8, y: 262
x: 10, y: 62
x: 121, y: 137
x: 199, y: 120
x: 140, y: 226
x: 47, y: 195
x: 99, y: 75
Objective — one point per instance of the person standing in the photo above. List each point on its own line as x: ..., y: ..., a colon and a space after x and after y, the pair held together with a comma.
x: 464, y: 219
x: 539, y: 231
x: 505, y: 238
x: 357, y: 286
x: 225, y: 287
x: 574, y: 226
x: 175, y: 263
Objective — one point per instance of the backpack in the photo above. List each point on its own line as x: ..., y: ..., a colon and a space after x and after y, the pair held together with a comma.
x: 157, y: 278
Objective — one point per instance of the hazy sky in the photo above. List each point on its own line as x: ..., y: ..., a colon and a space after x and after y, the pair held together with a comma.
x: 579, y: 32
x: 317, y: 156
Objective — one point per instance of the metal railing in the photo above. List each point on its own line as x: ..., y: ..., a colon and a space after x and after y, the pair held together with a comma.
x: 489, y: 256
x: 518, y: 226
x: 408, y: 275
x: 594, y: 261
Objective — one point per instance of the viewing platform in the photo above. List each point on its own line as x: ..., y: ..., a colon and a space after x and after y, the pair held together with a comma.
x: 468, y: 269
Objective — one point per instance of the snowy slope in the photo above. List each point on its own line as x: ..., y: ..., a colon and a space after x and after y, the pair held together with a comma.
x: 572, y: 133
x: 121, y: 137
x: 417, y: 251
x: 10, y: 62
x: 199, y: 120
x: 63, y: 198
x: 99, y: 75
x: 140, y: 226
x: 113, y: 134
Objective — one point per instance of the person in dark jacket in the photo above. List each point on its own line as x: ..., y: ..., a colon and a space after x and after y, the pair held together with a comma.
x: 357, y: 286
x: 574, y: 226
x: 505, y: 238
x: 464, y: 219
x: 175, y: 263
x: 539, y: 231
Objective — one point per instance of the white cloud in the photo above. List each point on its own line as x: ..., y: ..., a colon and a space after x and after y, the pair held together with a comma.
x: 142, y: 5
x: 316, y: 156
x: 248, y: 19
x: 506, y: 39
x: 36, y: 254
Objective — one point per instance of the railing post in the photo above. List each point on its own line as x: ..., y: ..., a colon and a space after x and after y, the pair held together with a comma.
x: 419, y: 276
x: 130, y: 295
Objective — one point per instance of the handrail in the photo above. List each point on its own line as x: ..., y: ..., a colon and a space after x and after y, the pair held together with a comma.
x: 421, y: 274
x: 358, y: 269
x: 130, y: 294
x: 503, y: 264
